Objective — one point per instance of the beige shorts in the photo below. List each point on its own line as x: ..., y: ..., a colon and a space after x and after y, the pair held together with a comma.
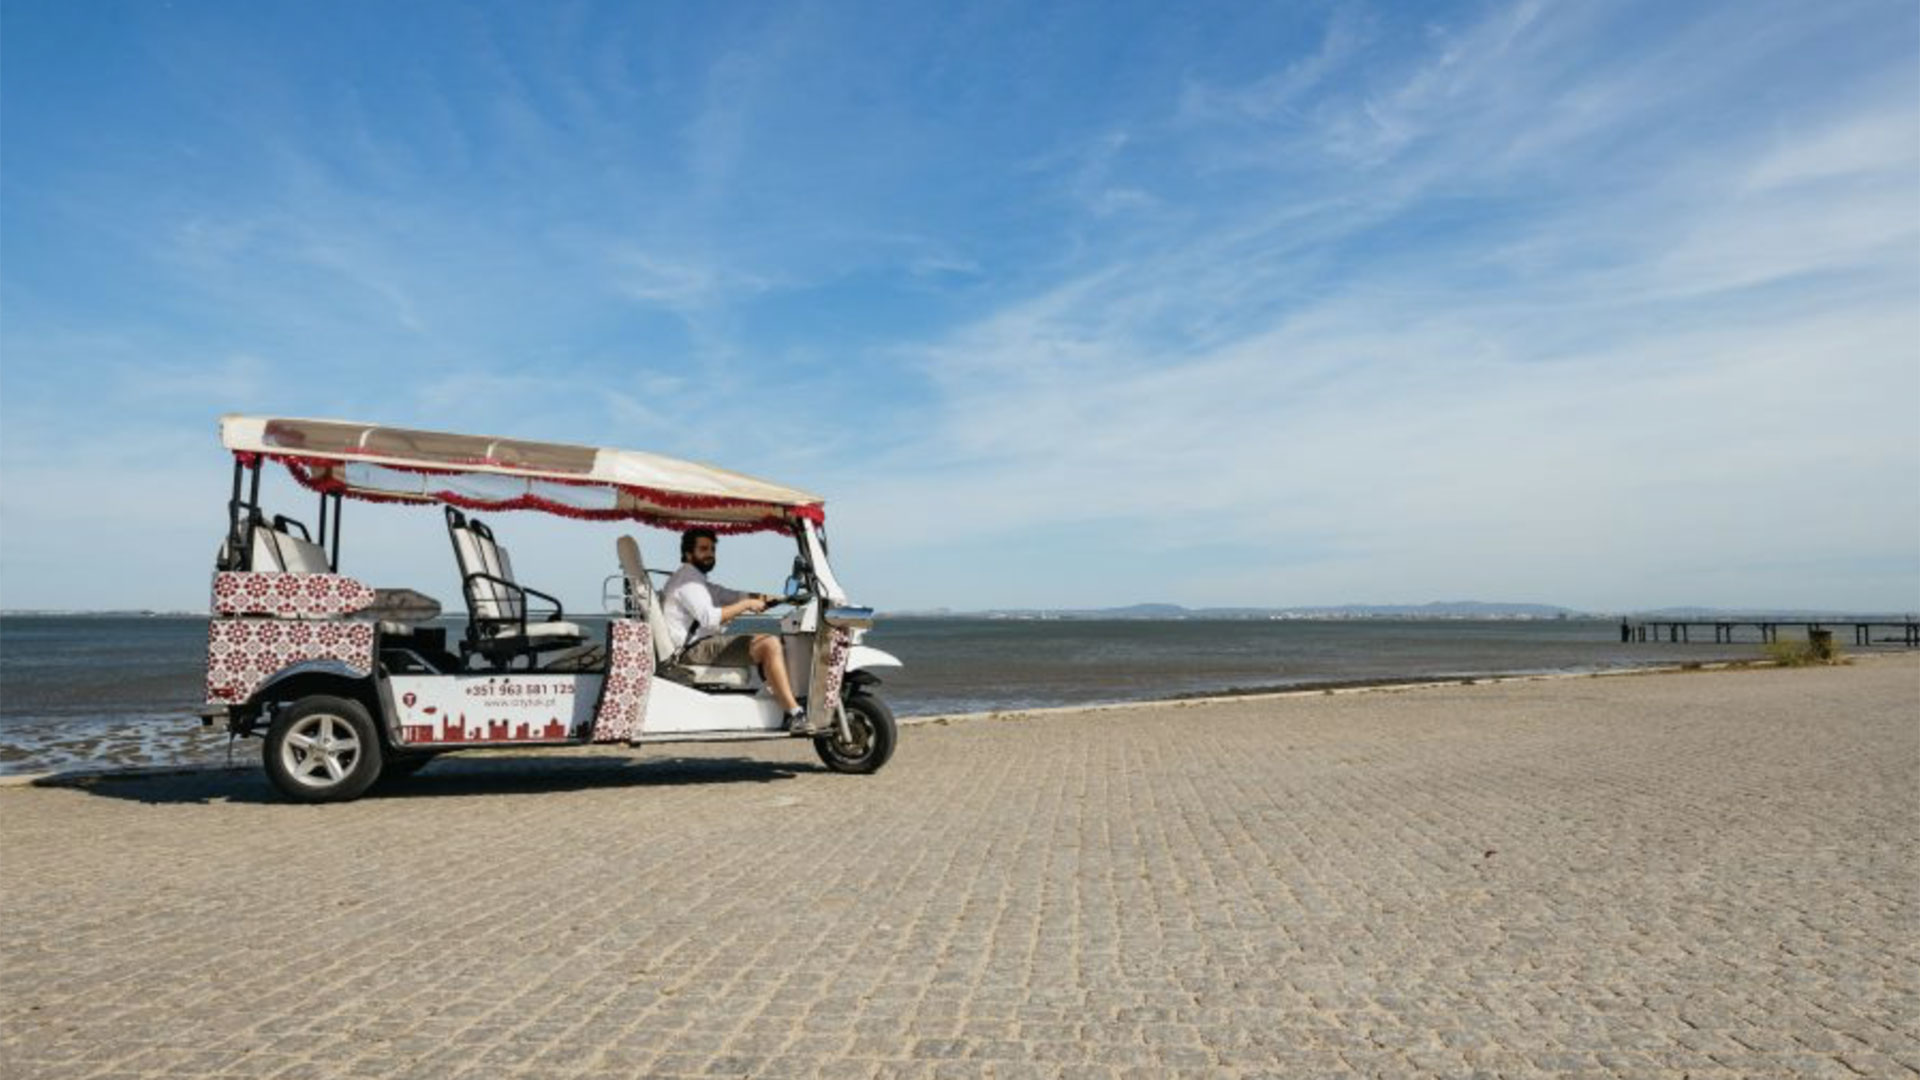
x: 721, y: 650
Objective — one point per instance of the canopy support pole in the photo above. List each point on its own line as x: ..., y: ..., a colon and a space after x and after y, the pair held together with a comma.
x: 234, y: 538
x: 253, y: 510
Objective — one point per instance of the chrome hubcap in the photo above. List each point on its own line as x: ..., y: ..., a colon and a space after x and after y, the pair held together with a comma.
x: 320, y: 750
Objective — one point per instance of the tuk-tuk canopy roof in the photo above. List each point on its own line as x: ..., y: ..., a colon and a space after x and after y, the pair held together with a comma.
x: 479, y: 472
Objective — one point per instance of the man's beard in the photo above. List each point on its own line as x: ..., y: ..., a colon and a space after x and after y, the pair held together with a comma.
x: 707, y: 564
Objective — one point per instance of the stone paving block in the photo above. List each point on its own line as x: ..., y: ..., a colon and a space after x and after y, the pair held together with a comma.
x: 844, y: 1069
x: 1018, y: 1070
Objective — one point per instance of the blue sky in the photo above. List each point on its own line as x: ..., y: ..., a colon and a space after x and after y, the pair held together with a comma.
x: 1608, y: 305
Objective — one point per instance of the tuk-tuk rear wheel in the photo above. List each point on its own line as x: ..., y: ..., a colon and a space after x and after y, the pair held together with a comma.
x: 873, y: 731
x: 323, y: 749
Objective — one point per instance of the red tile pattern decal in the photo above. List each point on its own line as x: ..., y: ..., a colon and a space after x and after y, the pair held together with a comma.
x: 243, y: 653
x: 837, y: 663
x: 623, y: 697
x: 289, y: 596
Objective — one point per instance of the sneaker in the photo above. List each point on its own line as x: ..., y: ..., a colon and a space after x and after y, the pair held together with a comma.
x: 795, y: 721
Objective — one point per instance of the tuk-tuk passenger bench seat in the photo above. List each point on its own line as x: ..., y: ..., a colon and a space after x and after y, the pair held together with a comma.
x: 497, y: 624
x: 291, y: 576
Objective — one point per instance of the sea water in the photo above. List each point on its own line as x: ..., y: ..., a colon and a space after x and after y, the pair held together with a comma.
x: 111, y: 690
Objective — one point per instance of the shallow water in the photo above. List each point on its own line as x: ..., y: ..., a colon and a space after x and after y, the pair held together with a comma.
x: 103, y: 690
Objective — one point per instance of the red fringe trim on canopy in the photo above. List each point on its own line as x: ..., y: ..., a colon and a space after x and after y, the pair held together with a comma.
x: 303, y: 470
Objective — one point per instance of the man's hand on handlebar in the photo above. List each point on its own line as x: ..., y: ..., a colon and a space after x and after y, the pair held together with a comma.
x: 765, y: 601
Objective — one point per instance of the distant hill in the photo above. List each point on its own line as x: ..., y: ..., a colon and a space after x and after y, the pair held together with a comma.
x: 1445, y: 609
x: 1144, y: 611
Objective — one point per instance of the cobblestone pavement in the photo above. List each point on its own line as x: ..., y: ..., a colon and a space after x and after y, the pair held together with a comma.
x: 1708, y: 874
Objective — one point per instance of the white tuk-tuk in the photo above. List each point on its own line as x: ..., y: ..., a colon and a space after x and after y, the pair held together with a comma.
x: 348, y: 682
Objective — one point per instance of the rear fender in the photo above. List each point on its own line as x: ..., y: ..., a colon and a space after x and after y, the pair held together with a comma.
x: 309, y: 677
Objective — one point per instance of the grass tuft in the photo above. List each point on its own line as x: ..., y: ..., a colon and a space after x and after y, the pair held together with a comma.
x: 1803, y: 653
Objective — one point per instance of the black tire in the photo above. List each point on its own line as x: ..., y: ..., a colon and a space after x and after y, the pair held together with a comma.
x: 874, y: 736
x: 323, y: 749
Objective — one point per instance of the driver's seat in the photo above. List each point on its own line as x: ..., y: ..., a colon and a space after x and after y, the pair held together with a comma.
x: 644, y: 600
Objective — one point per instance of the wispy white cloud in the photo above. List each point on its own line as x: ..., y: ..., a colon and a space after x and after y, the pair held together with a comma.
x: 685, y: 288
x: 1606, y: 431
x: 1271, y: 96
x: 1877, y: 145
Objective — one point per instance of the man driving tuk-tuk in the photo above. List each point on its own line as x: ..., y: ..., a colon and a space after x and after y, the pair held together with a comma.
x: 698, y: 611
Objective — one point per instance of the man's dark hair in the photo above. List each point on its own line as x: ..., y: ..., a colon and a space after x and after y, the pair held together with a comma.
x: 691, y: 537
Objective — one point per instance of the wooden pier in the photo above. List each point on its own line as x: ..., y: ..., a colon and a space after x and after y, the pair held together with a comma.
x: 1903, y: 632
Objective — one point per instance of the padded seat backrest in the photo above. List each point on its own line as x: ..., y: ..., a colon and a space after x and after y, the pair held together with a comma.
x: 500, y: 565
x: 635, y: 571
x: 276, y: 551
x: 474, y: 549
x: 641, y: 597
x: 302, y: 556
x: 266, y: 553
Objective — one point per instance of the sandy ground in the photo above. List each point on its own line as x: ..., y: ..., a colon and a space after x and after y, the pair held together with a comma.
x: 1702, y: 874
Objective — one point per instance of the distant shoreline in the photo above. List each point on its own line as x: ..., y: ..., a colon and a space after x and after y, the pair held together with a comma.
x: 1390, y: 685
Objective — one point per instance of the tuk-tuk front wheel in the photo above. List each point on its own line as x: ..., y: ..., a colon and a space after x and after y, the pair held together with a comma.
x: 323, y: 749
x: 869, y: 741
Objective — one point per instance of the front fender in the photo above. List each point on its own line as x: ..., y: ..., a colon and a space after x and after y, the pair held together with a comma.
x: 866, y: 656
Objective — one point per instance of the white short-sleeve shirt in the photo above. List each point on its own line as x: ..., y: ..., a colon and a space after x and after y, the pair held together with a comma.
x: 693, y: 604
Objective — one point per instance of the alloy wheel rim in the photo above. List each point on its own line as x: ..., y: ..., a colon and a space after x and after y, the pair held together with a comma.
x: 320, y: 750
